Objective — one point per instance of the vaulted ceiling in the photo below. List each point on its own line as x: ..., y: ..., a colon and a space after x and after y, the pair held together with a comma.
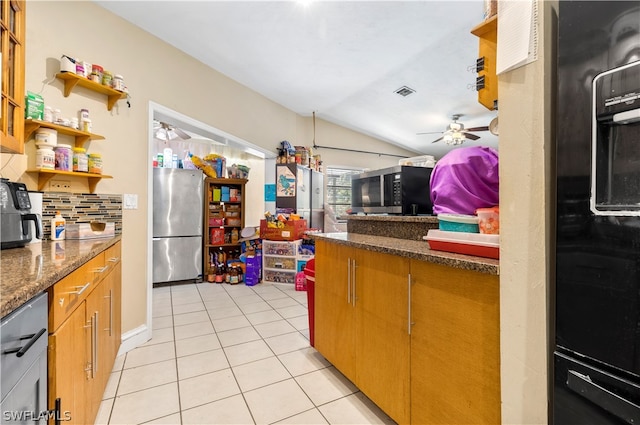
x: 345, y: 60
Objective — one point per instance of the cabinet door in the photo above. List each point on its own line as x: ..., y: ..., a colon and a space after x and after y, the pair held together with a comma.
x: 382, y: 331
x: 111, y: 329
x: 455, y: 351
x: 95, y: 318
x: 67, y: 359
x: 334, y: 335
x: 12, y: 52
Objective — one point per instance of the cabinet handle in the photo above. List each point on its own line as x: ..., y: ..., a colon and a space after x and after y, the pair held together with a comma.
x: 409, y: 304
x: 110, y: 296
x: 353, y: 285
x: 100, y: 269
x: 348, y: 280
x: 114, y: 259
x: 89, y: 367
x: 94, y: 346
x: 20, y: 351
x: 82, y: 289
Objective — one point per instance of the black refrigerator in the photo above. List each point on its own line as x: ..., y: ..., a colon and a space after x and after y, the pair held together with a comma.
x: 596, y: 357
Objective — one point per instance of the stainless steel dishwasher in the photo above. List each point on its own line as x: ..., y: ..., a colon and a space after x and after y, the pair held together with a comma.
x: 23, y: 344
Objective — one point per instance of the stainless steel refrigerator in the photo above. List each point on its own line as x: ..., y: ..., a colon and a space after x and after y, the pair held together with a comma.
x: 177, y: 224
x: 301, y: 189
x: 596, y: 355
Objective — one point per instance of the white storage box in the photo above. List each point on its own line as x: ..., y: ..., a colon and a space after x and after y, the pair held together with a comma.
x: 419, y: 161
x: 95, y: 229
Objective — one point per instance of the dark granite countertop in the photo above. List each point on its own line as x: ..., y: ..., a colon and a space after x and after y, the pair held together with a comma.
x: 418, y: 250
x: 432, y: 219
x: 26, y: 272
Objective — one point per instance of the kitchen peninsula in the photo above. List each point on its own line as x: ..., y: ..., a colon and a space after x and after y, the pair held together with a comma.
x: 417, y: 330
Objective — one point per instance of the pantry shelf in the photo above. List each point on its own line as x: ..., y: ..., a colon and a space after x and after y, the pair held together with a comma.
x: 31, y: 126
x: 71, y: 80
x: 45, y: 175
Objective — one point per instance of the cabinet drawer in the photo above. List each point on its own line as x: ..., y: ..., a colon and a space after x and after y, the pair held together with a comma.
x: 287, y: 263
x: 280, y: 248
x: 112, y: 255
x: 67, y: 294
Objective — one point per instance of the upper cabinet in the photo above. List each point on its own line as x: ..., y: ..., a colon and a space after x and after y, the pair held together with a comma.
x: 12, y: 38
x: 487, y: 80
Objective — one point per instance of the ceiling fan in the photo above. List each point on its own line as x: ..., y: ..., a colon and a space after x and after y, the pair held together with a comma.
x: 455, y: 133
x: 164, y: 131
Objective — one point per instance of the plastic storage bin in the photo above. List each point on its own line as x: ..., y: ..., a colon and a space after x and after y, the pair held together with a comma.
x: 458, y: 223
x: 477, y: 244
x: 489, y: 220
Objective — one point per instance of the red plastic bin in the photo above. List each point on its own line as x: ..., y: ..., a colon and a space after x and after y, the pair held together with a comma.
x: 310, y: 274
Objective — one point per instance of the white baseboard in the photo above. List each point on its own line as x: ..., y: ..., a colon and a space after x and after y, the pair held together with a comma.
x: 134, y: 338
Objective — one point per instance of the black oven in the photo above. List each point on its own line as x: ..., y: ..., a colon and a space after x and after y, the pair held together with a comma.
x: 402, y: 190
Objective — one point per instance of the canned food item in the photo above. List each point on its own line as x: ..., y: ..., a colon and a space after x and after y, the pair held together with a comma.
x: 63, y: 157
x: 45, y: 158
x: 95, y: 163
x: 80, y: 160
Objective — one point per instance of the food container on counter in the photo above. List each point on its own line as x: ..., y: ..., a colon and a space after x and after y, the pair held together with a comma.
x: 80, y: 160
x: 95, y: 163
x: 489, y: 220
x: 458, y: 223
x: 64, y: 157
x: 476, y: 244
x: 46, y: 137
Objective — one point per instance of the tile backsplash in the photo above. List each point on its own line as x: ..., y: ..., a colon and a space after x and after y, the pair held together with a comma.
x: 81, y: 208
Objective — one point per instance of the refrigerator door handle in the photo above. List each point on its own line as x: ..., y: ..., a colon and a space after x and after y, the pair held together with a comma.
x: 607, y: 400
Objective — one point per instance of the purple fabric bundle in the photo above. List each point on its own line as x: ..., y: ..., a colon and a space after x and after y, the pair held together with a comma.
x: 464, y: 180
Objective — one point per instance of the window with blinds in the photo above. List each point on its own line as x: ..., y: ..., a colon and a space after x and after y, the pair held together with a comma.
x: 339, y: 188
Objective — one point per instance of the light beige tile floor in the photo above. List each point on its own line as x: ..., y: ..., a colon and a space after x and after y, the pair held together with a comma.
x: 231, y: 354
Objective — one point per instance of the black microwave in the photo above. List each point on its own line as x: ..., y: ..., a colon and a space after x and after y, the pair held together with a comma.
x: 403, y: 190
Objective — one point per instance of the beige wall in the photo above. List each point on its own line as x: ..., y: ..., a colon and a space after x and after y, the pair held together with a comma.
x: 154, y: 71
x: 526, y: 211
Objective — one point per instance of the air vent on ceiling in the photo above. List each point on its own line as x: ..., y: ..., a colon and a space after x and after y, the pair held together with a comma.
x: 405, y: 91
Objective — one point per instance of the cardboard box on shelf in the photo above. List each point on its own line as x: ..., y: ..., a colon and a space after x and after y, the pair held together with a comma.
x: 291, y: 231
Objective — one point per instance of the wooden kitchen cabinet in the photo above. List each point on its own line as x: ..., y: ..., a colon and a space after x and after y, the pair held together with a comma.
x: 455, y: 345
x: 361, y: 322
x: 421, y: 340
x: 334, y: 333
x: 12, y: 52
x: 487, y: 79
x: 85, y: 335
x: 382, y: 331
x: 67, y: 360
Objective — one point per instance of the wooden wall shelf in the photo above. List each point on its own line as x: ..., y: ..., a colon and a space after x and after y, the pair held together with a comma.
x: 45, y: 175
x: 30, y: 126
x: 71, y: 80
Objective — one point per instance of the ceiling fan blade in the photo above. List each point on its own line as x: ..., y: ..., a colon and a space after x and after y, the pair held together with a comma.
x: 485, y: 128
x: 437, y: 140
x: 430, y: 132
x: 471, y: 136
x: 181, y: 133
